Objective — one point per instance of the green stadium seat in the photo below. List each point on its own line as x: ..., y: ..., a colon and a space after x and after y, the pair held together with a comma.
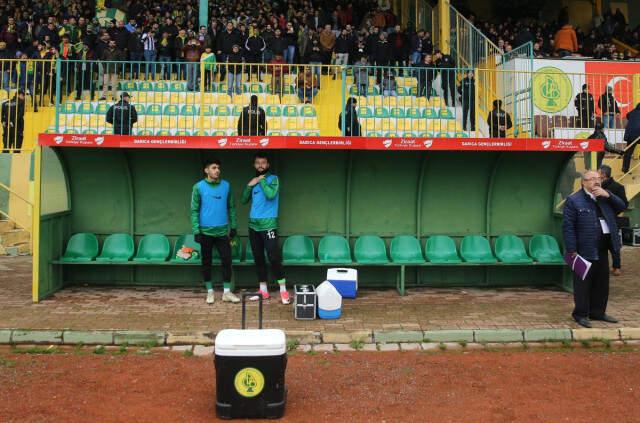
x: 145, y: 86
x: 409, y: 135
x: 313, y: 133
x: 294, y: 133
x: 462, y: 135
x: 236, y: 110
x: 443, y: 135
x: 545, y: 249
x: 154, y: 110
x: 70, y: 131
x: 223, y: 111
x: 446, y: 114
x: 117, y: 248
x: 128, y: 86
x: 381, y: 112
x: 298, y: 249
x: 370, y: 249
x: 441, y: 249
x: 50, y: 130
x: 476, y: 249
x: 426, y: 134
x: 402, y: 91
x: 171, y: 110
x: 146, y: 132
x: 334, y: 249
x: 82, y: 247
x: 413, y: 91
x: 101, y: 109
x: 308, y: 111
x: 177, y: 86
x: 397, y: 112
x: 189, y: 110
x: 254, y: 88
x: 413, y: 113
x: 405, y: 249
x: 68, y: 108
x: 218, y: 133
x: 163, y: 133
x: 273, y: 111
x: 190, y: 242
x: 353, y: 90
x: 365, y: 112
x: 208, y: 111
x: 141, y: 109
x: 85, y: 108
x: 373, y: 90
x: 429, y: 113
x: 161, y: 87
x: 248, y: 256
x: 89, y: 131
x: 183, y: 132
x: 510, y: 249
x: 391, y: 134
x: 290, y: 111
x: 153, y: 248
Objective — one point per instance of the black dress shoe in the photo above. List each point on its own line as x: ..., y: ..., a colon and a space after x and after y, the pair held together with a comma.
x: 584, y: 322
x: 606, y: 318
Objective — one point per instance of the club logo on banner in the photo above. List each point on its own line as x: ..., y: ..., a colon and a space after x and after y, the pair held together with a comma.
x: 552, y: 89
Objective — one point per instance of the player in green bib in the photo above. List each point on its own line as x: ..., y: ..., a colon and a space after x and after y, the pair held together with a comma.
x: 213, y: 221
x: 264, y: 193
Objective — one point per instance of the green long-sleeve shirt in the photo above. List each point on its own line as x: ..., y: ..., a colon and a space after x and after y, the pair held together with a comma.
x: 270, y: 191
x: 217, y: 231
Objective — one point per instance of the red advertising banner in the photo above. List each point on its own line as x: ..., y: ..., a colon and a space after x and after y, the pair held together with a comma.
x: 617, y: 75
x: 319, y: 143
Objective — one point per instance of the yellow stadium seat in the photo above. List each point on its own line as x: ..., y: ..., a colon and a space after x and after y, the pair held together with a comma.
x: 186, y: 122
x: 289, y: 79
x: 175, y: 98
x: 241, y: 99
x: 436, y: 102
x: 390, y: 101
x: 454, y: 125
x: 274, y: 123
x: 222, y: 122
x: 290, y: 99
x: 310, y: 123
x: 169, y: 122
x: 223, y: 98
x: 204, y: 123
x: 210, y: 98
x: 151, y: 122
x: 434, y: 125
x: 140, y: 97
x: 422, y: 102
x: 290, y: 123
x: 363, y: 101
x: 272, y: 99
x: 403, y: 124
x: 191, y: 98
x: 406, y: 101
x: 376, y: 100
x: 389, y: 124
x: 419, y: 124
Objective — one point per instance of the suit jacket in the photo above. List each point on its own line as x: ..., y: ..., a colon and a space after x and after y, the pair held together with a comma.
x: 581, y: 226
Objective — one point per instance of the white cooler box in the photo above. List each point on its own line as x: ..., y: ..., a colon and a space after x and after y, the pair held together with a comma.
x: 345, y: 281
x: 329, y: 301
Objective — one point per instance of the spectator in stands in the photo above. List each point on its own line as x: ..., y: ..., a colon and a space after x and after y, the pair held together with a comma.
x: 598, y: 134
x: 112, y: 58
x: 399, y: 46
x: 499, y: 121
x: 467, y: 90
x: 136, y: 51
x: 66, y: 55
x: 586, y: 108
x: 327, y: 43
x: 344, y: 44
x: 149, y: 53
x: 315, y: 58
x: 252, y: 120
x: 192, y: 53
x: 179, y: 44
x: 361, y: 76
x: 291, y: 38
x: 609, y: 108
x: 165, y: 48
x: 382, y: 54
x: 447, y: 65
x: 617, y: 189
x: 278, y: 68
x: 348, y: 122
x: 255, y: 46
x: 122, y: 115
x: 6, y: 55
x: 278, y: 43
x: 426, y: 73
x: 389, y: 84
x: 416, y: 47
x: 234, y: 68
x: 589, y: 229
x: 84, y: 71
x: 209, y: 59
x: 631, y: 136
x: 13, y: 122
x: 307, y: 84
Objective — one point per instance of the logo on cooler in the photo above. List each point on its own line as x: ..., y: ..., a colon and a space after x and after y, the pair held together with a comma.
x: 428, y: 143
x: 222, y: 142
x: 264, y: 142
x: 387, y: 143
x: 58, y: 139
x: 99, y: 140
x: 546, y: 144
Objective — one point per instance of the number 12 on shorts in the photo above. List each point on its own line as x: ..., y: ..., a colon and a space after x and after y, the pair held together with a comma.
x: 271, y: 234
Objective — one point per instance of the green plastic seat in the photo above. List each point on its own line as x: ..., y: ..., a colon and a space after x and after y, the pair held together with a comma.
x: 171, y: 110
x: 373, y: 90
x: 128, y: 86
x: 462, y: 135
x: 163, y: 133
x: 402, y: 91
x: 298, y: 249
x: 141, y: 109
x: 441, y: 249
x: 85, y: 108
x: 236, y: 110
x: 177, y: 87
x: 334, y: 249
x: 397, y: 112
x: 101, y: 108
x: 308, y: 110
x: 381, y: 112
x: 446, y: 114
x: 183, y: 132
x: 154, y: 109
x: 413, y: 113
x: 429, y: 113
x: 153, y: 248
x: 365, y: 112
x: 370, y: 249
x: 117, y: 248
x: 545, y: 249
x: 68, y: 108
x: 476, y: 249
x: 145, y: 86
x: 189, y: 241
x: 146, y: 132
x: 82, y: 247
x: 510, y: 249
x: 255, y: 88
x: 405, y: 249
x: 223, y: 111
x: 391, y: 134
x: 273, y: 111
x: 208, y: 111
x: 189, y: 110
x: 290, y: 111
x: 161, y: 87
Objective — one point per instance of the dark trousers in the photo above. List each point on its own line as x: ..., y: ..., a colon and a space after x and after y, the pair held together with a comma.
x: 11, y: 140
x: 468, y: 109
x: 266, y: 240
x: 592, y: 294
x: 626, y: 160
x: 223, y: 245
x: 425, y: 88
x: 449, y: 87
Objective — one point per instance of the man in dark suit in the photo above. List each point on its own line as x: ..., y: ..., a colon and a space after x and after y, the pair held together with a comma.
x: 618, y: 190
x: 589, y: 229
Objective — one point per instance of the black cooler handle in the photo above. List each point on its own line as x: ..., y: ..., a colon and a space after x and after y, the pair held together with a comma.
x: 244, y: 308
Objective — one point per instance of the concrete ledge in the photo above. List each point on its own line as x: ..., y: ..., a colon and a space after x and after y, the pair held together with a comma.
x: 448, y: 335
x: 537, y: 335
x: 190, y: 338
x: 498, y: 335
x: 135, y: 337
x: 384, y: 337
x: 5, y: 336
x: 304, y: 336
x: 365, y: 336
x: 87, y: 337
x: 630, y: 333
x: 36, y: 336
x: 597, y: 333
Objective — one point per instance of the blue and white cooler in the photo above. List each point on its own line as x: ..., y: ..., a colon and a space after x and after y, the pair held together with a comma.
x: 329, y: 301
x: 345, y: 281
x: 250, y: 371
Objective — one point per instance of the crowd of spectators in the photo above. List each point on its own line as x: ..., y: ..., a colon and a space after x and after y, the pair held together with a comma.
x: 559, y: 38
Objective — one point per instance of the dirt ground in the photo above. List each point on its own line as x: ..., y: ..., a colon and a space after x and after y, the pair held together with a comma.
x: 531, y: 386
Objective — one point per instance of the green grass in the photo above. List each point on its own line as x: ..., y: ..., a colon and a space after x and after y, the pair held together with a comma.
x: 566, y: 343
x: 442, y: 346
x: 293, y: 344
x: 6, y: 363
x: 35, y: 350
x: 100, y: 350
x: 357, y: 344
x: 463, y: 344
x: 187, y: 353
